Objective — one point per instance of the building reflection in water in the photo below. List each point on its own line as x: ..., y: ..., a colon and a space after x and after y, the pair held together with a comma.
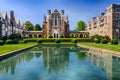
x: 11, y: 63
x: 56, y: 59
x: 106, y: 61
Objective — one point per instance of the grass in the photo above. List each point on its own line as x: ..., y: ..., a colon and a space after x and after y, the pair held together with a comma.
x: 13, y: 47
x: 103, y: 46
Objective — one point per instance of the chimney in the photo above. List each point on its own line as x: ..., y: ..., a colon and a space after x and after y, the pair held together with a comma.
x: 49, y: 12
x: 11, y: 15
x: 62, y: 12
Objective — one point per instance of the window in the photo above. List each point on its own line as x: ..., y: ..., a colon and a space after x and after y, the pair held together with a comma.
x: 117, y: 10
x: 119, y: 24
x: 56, y: 21
x: 117, y: 17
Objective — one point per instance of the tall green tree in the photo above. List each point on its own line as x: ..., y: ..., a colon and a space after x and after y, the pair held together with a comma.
x: 37, y: 27
x: 80, y: 26
x: 29, y: 26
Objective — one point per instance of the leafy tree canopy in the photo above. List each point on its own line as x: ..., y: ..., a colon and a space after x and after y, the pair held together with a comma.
x: 29, y: 26
x: 37, y: 27
x: 80, y: 26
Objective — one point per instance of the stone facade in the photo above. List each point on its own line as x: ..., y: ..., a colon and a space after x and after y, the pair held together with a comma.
x: 10, y: 25
x: 107, y: 24
x: 56, y: 24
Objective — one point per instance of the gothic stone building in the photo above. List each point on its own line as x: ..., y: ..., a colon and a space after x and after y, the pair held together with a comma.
x: 10, y: 25
x: 107, y: 23
x: 55, y: 24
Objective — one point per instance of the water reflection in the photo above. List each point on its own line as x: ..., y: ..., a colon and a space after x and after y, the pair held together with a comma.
x: 11, y: 63
x: 106, y: 61
x: 57, y: 59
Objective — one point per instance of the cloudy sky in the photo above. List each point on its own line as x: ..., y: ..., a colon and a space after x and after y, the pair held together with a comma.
x: 34, y: 10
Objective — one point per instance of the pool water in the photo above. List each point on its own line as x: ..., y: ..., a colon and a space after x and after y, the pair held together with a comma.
x: 61, y: 63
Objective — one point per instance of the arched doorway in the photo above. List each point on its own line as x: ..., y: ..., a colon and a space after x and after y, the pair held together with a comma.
x: 55, y: 35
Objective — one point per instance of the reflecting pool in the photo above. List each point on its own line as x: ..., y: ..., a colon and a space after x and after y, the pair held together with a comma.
x: 61, y: 63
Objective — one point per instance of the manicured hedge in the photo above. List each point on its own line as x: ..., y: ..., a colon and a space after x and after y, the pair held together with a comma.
x: 97, y: 41
x: 39, y: 41
x: 57, y: 41
x: 1, y: 43
x: 104, y: 41
x: 9, y: 41
x: 114, y: 41
x: 54, y: 39
x: 74, y: 40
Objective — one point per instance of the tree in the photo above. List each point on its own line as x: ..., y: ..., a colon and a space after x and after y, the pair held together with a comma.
x: 37, y: 27
x: 80, y: 26
x: 29, y: 26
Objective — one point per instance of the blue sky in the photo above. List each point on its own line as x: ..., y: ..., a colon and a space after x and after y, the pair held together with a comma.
x: 34, y: 10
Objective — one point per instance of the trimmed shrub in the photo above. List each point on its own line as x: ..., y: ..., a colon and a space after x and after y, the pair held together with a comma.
x: 24, y: 41
x: 74, y: 41
x: 114, y: 41
x: 39, y: 41
x: 97, y: 41
x: 57, y: 40
x: 61, y: 36
x: 15, y: 42
x: 1, y: 43
x: 9, y: 41
x: 50, y: 36
x: 104, y: 41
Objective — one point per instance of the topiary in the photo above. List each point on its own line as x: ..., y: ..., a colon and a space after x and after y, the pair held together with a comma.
x: 61, y: 36
x: 74, y: 41
x: 50, y: 36
x: 39, y: 41
x: 97, y: 41
x: 24, y: 41
x: 57, y: 40
x: 104, y: 41
x: 1, y: 43
x: 114, y: 41
x: 9, y: 41
x: 15, y: 42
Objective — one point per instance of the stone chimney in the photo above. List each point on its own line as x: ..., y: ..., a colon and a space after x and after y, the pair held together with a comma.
x: 62, y: 12
x: 11, y: 15
x: 49, y: 12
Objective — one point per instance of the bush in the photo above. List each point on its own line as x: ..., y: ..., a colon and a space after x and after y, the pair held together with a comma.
x: 61, y: 36
x: 104, y: 41
x: 57, y: 40
x: 97, y: 41
x: 114, y: 41
x: 15, y: 42
x: 24, y: 41
x: 39, y: 40
x: 50, y: 36
x: 1, y: 43
x: 9, y: 42
x: 74, y: 40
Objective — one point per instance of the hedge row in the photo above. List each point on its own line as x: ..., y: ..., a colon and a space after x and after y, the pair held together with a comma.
x: 105, y: 41
x: 8, y: 42
x: 54, y: 40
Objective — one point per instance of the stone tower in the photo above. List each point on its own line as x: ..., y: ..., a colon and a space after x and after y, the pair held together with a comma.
x: 56, y: 24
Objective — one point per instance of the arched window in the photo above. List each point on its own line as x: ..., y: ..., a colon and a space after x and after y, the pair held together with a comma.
x: 55, y: 21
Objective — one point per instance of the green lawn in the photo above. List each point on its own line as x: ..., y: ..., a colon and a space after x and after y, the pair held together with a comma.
x: 12, y: 47
x: 103, y: 46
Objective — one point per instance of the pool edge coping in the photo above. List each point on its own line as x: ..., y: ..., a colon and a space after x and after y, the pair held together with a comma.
x: 104, y: 50
x: 16, y: 51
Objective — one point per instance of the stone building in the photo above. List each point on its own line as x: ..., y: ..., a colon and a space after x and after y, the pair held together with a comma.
x: 10, y: 25
x: 107, y: 24
x: 55, y: 24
